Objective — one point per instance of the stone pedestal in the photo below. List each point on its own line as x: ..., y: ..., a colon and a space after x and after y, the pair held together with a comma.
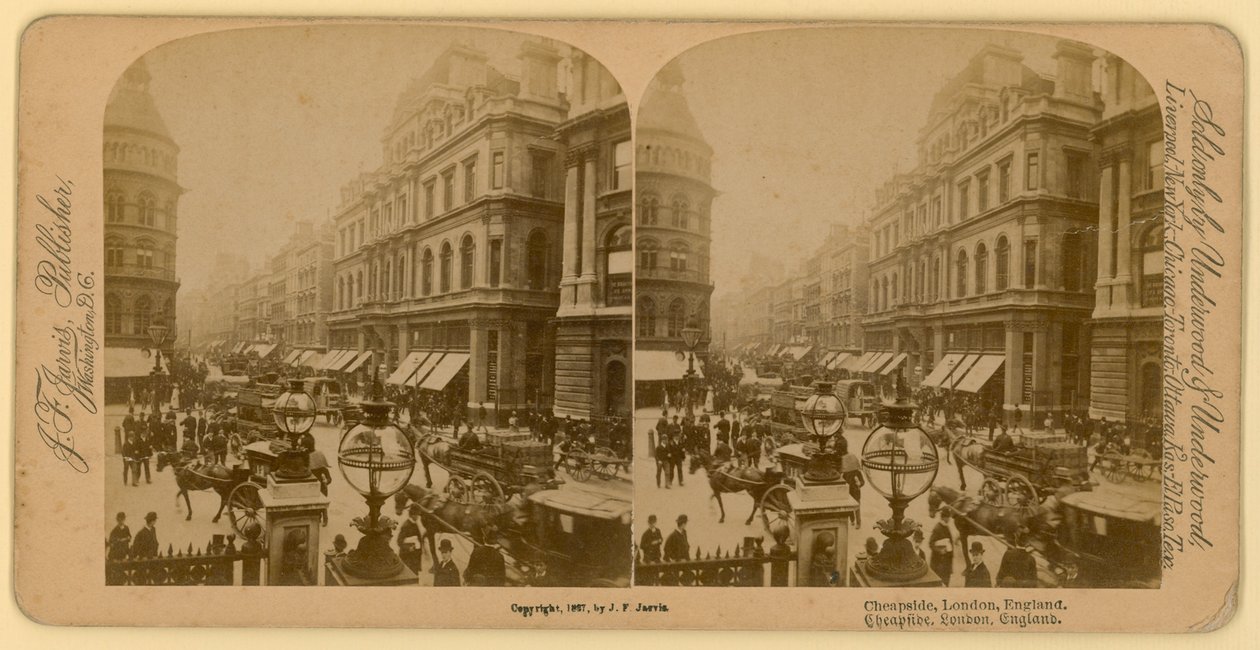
x: 336, y: 576
x: 860, y: 577
x: 823, y: 514
x: 294, y: 513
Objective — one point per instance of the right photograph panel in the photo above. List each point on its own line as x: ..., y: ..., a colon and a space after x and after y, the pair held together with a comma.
x: 898, y: 313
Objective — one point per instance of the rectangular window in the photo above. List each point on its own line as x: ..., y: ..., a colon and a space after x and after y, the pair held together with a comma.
x: 982, y: 192
x: 1075, y: 176
x: 1030, y: 263
x: 964, y: 199
x: 1004, y: 182
x: 496, y: 261
x: 1154, y: 165
x: 621, y: 166
x: 470, y: 180
x: 540, y: 174
x: 448, y: 190
x: 936, y: 211
x: 496, y: 170
x: 430, y: 202
x: 1032, y: 171
x: 403, y: 216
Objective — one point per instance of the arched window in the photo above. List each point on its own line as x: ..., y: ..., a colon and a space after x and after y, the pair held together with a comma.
x: 648, y: 210
x: 114, y: 206
x: 883, y: 294
x: 1152, y: 261
x: 341, y: 293
x: 114, y: 253
x: 678, y: 254
x: 144, y: 254
x: 1003, y: 261
x: 142, y: 315
x: 962, y: 273
x: 677, y: 317
x: 647, y: 254
x: 982, y: 268
x: 400, y: 276
x: 467, y: 251
x: 113, y: 314
x: 647, y: 317
x: 148, y: 208
x: 358, y: 287
x: 444, y: 274
x: 386, y: 277
x: 536, y: 260
x: 894, y: 285
x: 426, y: 272
x: 679, y: 209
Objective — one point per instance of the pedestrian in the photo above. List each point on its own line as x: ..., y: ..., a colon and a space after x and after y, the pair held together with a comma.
x: 941, y: 548
x: 650, y: 542
x: 119, y: 538
x: 677, y: 548
x: 146, y: 543
x: 219, y: 443
x: 446, y: 573
x: 851, y: 472
x: 513, y: 425
x: 663, y: 462
x: 486, y: 567
x: 203, y: 426
x: 1018, y: 567
x: 143, y: 451
x: 977, y: 574
x: 409, y: 548
x: 338, y: 549
x: 676, y: 456
x: 481, y: 416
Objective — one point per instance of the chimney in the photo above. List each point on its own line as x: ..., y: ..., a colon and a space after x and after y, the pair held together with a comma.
x: 539, y: 66
x: 1074, y: 78
x: 1000, y: 66
x: 467, y: 66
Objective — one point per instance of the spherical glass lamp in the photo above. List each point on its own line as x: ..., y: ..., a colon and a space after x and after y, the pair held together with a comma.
x: 823, y: 415
x: 691, y: 333
x: 900, y: 462
x: 377, y: 459
x: 294, y: 410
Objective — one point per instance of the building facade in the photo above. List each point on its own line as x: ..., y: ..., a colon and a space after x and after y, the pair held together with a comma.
x: 454, y: 243
x: 983, y: 249
x: 1126, y: 372
x: 843, y: 260
x: 141, y: 225
x: 674, y: 193
x: 593, y: 322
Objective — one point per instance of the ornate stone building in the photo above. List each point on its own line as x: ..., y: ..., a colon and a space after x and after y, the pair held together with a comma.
x: 981, y: 277
x: 450, y: 251
x: 593, y: 323
x: 141, y: 222
x: 1125, y: 368
x: 672, y: 175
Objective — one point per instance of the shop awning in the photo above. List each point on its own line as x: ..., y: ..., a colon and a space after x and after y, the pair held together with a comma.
x: 942, y: 368
x: 826, y: 358
x: 954, y: 376
x: 265, y: 349
x: 875, y: 362
x: 981, y: 372
x: 660, y: 365
x: 445, y: 371
x: 315, y: 360
x: 336, y: 359
x: 291, y: 356
x: 301, y: 360
x: 130, y: 362
x: 425, y: 367
x: 838, y: 360
x: 798, y: 352
x: 236, y: 349
x: 360, y: 360
x: 894, y: 364
x: 408, y: 366
x: 328, y: 357
x: 856, y: 361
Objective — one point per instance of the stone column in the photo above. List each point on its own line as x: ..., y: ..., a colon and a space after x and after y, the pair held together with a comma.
x: 1013, y: 368
x: 477, y: 362
x: 1106, y: 234
x: 1124, y: 190
x: 571, y: 216
x: 1043, y: 392
x: 586, y: 290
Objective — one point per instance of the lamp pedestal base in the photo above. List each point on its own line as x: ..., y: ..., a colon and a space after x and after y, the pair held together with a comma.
x: 823, y: 514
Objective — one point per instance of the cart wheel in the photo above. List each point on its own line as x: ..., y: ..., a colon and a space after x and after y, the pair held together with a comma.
x: 457, y: 489
x: 992, y: 492
x: 485, y: 489
x: 245, y: 507
x: 580, y: 469
x: 1141, y: 472
x: 607, y: 471
x: 776, y: 511
x: 1115, y: 470
x: 605, y: 452
x: 1020, y: 492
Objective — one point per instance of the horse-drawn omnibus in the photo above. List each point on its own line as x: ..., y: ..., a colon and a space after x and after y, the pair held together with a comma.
x: 573, y: 539
x: 1109, y: 540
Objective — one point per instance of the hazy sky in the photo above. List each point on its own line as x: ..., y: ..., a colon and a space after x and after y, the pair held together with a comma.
x: 806, y: 124
x: 271, y: 122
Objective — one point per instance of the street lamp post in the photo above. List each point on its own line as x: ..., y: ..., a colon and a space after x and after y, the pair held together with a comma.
x: 691, y: 337
x: 157, y: 334
x: 377, y: 459
x: 823, y: 415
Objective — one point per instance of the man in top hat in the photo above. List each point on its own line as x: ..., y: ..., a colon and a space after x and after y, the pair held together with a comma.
x: 677, y: 547
x: 445, y: 574
x: 650, y: 542
x: 119, y: 538
x: 1018, y: 568
x: 146, y: 544
x: 409, y: 549
x: 977, y: 574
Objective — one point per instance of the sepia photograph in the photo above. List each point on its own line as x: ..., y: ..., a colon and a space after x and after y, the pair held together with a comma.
x: 899, y: 309
x: 367, y: 305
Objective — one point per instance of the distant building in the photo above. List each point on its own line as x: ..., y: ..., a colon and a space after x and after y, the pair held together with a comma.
x: 1126, y: 373
x: 672, y: 284
x: 593, y: 322
x: 141, y: 224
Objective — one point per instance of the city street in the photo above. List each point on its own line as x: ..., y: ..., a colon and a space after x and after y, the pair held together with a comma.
x: 695, y: 499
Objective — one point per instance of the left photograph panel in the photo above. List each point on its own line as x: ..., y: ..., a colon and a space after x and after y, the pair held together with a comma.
x: 368, y: 301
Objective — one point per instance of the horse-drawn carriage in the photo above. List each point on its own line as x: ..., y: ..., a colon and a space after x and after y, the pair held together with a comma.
x: 1025, y: 475
x: 253, y: 411
x: 488, y: 472
x: 1108, y: 541
x: 572, y: 539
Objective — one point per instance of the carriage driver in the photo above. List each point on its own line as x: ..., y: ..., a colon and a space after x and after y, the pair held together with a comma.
x: 1003, y: 444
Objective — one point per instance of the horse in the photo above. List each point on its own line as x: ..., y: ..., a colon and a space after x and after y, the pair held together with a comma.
x: 432, y: 448
x: 736, y: 479
x: 207, y: 477
x: 966, y: 450
x: 437, y: 512
x: 980, y: 518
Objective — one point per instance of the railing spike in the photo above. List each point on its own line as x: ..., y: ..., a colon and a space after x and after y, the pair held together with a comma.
x: 170, y: 550
x: 719, y: 550
x: 190, y: 548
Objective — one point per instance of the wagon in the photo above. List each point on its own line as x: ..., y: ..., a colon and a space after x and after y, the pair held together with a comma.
x: 1109, y: 540
x: 574, y: 539
x: 244, y: 504
x: 1118, y: 468
x: 495, y: 472
x: 1028, y: 474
